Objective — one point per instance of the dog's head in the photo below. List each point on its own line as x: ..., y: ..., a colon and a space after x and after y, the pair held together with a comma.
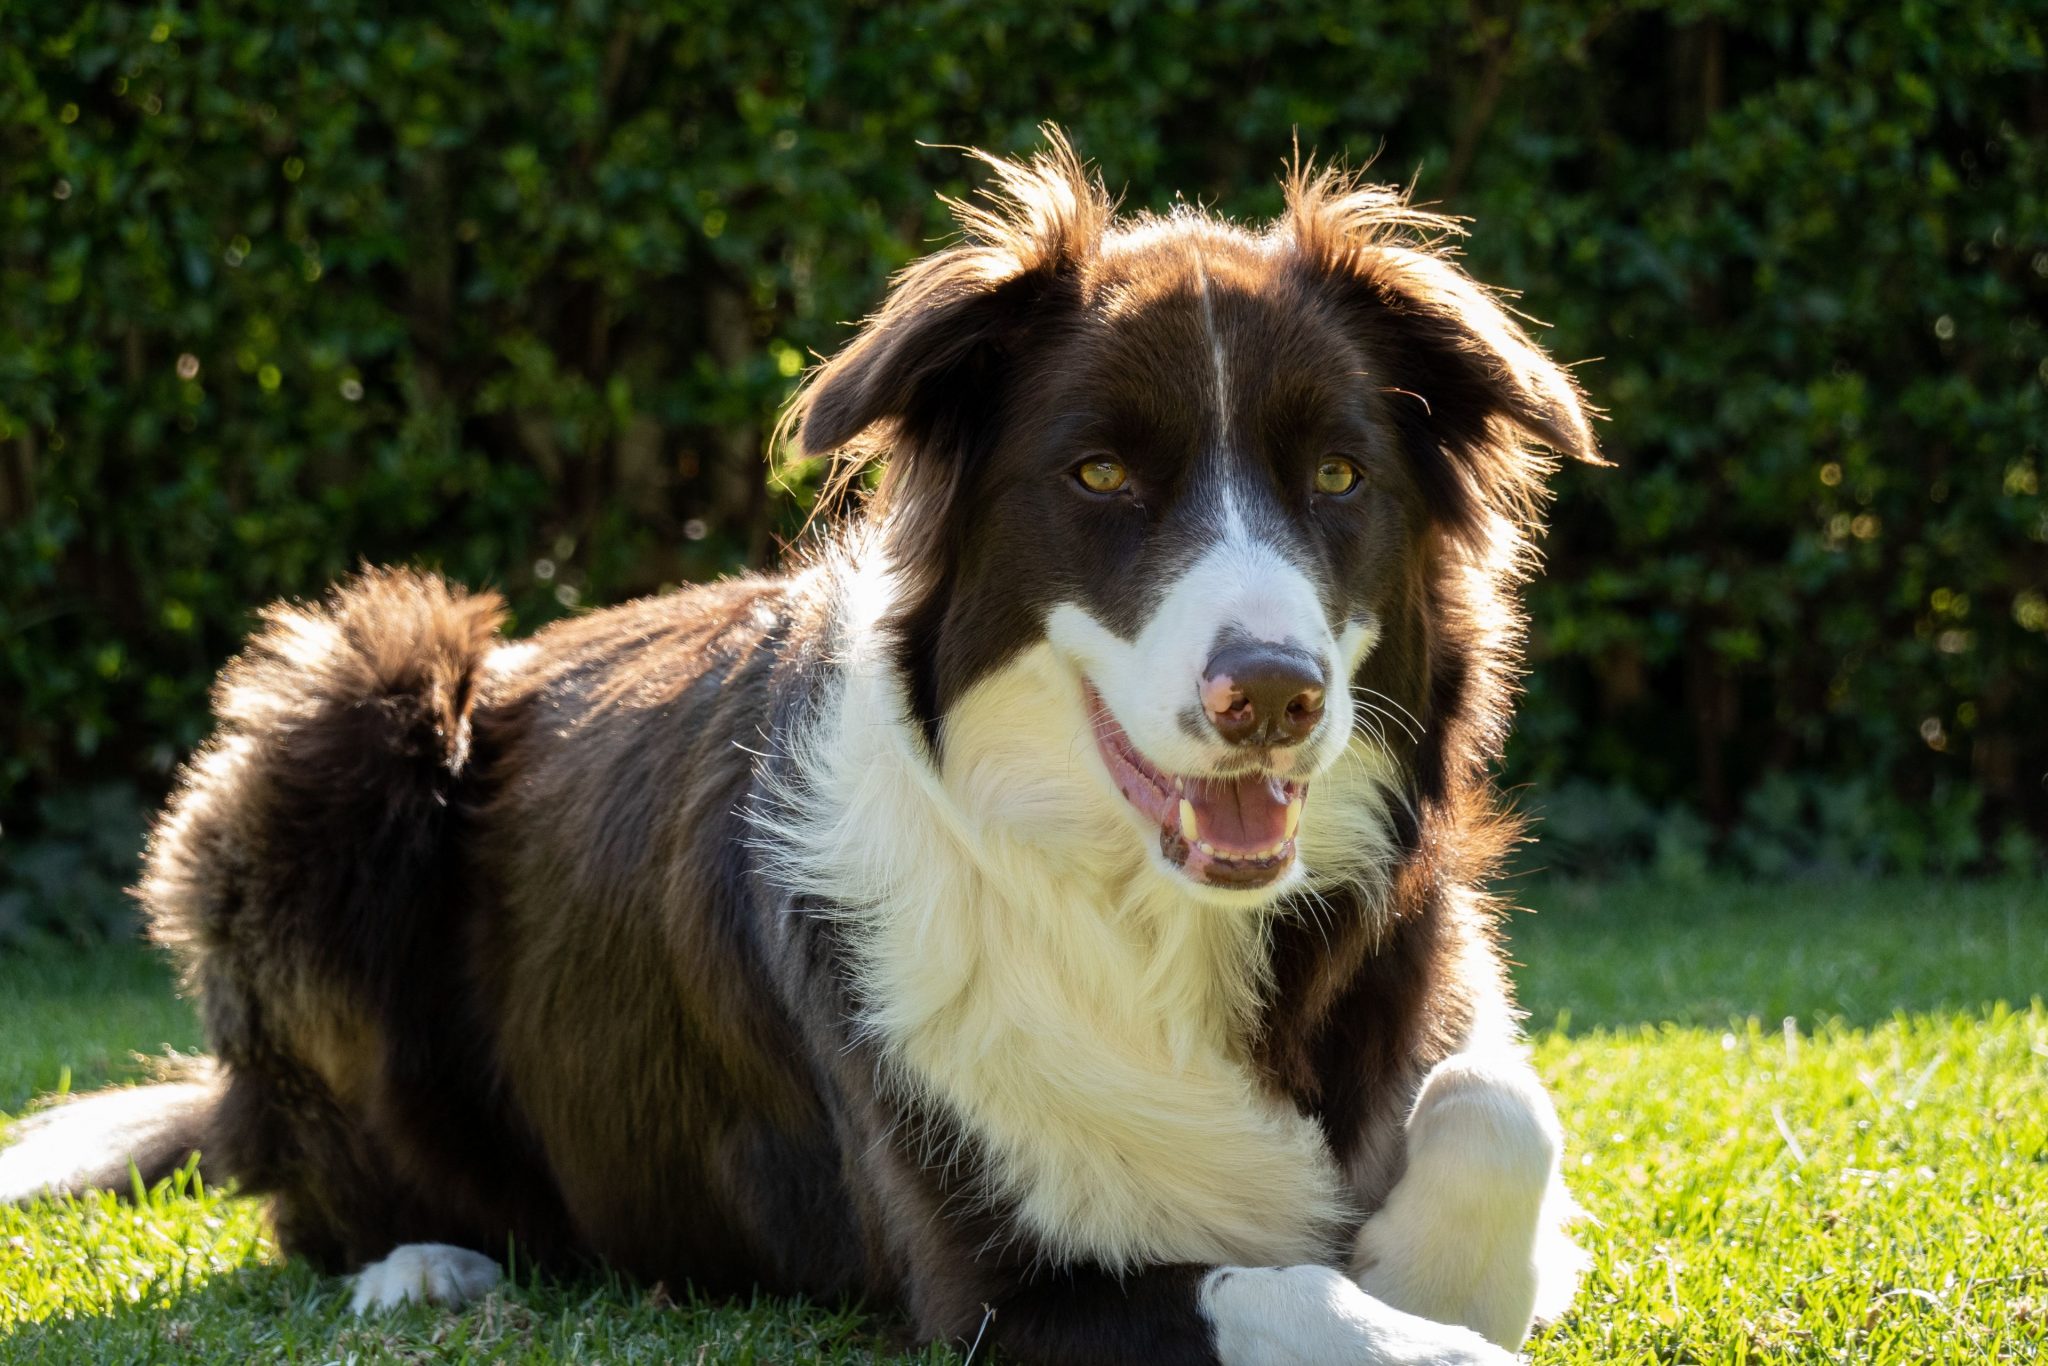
x: 1200, y: 480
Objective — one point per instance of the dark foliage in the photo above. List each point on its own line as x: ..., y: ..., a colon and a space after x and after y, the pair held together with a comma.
x: 517, y: 289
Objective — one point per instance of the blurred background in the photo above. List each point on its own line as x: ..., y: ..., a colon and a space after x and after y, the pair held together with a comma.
x: 516, y: 290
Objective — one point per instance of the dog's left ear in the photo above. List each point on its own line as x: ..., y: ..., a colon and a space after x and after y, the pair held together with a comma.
x: 919, y: 384
x: 1469, y: 388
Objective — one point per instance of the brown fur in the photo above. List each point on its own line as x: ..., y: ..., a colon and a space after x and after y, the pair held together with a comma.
x: 484, y: 948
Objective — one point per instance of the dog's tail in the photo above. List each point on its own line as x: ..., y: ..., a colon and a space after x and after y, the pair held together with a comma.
x: 304, y: 843
x: 299, y: 874
x: 108, y: 1139
x: 294, y: 874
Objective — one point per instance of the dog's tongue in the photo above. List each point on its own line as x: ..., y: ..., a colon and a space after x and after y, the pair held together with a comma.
x: 1238, y: 815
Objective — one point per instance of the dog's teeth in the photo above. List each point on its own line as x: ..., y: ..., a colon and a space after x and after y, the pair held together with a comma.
x: 1188, y: 828
x: 1206, y: 847
x: 1293, y: 819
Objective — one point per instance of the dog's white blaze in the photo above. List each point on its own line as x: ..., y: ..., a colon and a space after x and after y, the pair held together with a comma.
x: 1028, y: 966
x: 1217, y: 361
x: 1314, y: 1316
x: 1240, y: 584
x: 1248, y: 586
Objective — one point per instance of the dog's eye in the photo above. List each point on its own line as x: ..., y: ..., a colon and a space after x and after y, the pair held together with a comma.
x: 1336, y: 476
x: 1102, y: 475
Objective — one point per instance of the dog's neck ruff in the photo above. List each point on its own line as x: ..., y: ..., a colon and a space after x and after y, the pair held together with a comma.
x: 1023, y: 966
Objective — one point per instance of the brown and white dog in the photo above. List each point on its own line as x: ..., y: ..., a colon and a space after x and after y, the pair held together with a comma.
x: 1054, y: 910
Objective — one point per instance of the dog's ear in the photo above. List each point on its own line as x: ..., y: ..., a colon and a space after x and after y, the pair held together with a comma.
x: 946, y: 317
x: 930, y: 366
x: 1469, y: 388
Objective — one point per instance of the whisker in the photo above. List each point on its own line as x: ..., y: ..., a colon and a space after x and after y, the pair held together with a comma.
x: 1370, y: 772
x: 1413, y: 723
x: 1413, y: 719
x: 1374, y: 715
x: 1400, y: 715
x: 1318, y: 911
x: 1370, y: 716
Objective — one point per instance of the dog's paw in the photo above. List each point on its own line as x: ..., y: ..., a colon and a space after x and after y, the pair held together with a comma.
x: 1315, y: 1316
x: 447, y: 1275
x: 1473, y: 1232
x: 1491, y: 1117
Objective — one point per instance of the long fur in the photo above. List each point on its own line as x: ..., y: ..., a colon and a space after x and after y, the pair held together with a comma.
x: 795, y: 931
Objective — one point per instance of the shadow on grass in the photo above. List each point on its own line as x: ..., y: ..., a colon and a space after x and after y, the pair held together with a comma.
x: 184, y: 1279
x: 1616, y: 955
x: 288, y: 1312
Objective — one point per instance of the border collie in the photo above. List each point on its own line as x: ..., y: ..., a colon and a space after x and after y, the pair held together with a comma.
x: 1053, y: 910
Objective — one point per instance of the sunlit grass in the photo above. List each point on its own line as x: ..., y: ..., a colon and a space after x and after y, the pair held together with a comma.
x: 1810, y: 1124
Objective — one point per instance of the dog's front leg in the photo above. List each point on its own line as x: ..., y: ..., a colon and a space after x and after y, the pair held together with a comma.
x: 1473, y: 1232
x: 1266, y: 1316
x: 1191, y: 1315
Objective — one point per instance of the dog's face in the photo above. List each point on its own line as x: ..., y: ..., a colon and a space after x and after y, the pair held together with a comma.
x: 1198, y: 497
x: 1207, y: 472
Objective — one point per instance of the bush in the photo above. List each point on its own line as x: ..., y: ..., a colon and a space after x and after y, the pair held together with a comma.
x: 517, y: 289
x: 72, y: 880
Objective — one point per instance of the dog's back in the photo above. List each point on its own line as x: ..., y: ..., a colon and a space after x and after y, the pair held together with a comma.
x: 638, y: 1023
x: 409, y: 881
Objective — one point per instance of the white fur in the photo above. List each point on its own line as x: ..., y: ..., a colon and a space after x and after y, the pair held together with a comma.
x: 42, y: 1153
x: 1030, y: 968
x: 1314, y: 1316
x: 446, y: 1275
x: 510, y: 659
x: 1244, y: 585
x: 1473, y: 1233
x: 1217, y: 360
x: 1240, y: 584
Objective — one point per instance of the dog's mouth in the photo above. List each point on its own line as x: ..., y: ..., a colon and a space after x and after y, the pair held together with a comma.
x: 1235, y: 832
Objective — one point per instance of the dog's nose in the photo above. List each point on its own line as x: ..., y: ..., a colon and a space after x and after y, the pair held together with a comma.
x: 1263, y: 694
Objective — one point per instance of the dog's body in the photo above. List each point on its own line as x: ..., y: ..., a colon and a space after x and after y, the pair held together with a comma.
x: 1053, y: 911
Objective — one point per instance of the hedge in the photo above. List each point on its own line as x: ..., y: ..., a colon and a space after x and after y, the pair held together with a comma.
x: 517, y: 288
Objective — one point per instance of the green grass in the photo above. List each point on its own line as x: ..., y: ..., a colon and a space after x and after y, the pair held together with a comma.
x: 1809, y: 1121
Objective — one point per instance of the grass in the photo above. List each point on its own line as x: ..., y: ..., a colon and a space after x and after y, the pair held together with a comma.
x: 1810, y: 1123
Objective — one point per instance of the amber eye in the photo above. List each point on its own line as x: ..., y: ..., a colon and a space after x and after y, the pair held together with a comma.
x: 1336, y: 476
x: 1102, y: 475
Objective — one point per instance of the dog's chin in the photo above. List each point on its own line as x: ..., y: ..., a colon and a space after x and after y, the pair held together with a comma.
x: 1229, y: 837
x: 1248, y: 895
x: 1223, y: 880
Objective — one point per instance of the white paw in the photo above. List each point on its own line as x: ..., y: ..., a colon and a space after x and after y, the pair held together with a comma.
x: 1489, y: 1113
x: 1472, y: 1233
x: 1316, y: 1316
x: 423, y: 1271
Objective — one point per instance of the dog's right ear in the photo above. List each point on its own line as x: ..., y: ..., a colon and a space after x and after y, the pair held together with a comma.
x: 927, y: 369
x: 1475, y: 391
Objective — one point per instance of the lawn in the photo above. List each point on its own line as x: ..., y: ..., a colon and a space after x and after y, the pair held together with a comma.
x: 1809, y: 1121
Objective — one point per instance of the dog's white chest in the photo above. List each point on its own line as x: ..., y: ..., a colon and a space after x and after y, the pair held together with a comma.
x: 1079, y: 1017
x: 1093, y: 1060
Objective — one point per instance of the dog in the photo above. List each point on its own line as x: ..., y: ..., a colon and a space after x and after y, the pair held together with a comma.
x: 1052, y: 909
